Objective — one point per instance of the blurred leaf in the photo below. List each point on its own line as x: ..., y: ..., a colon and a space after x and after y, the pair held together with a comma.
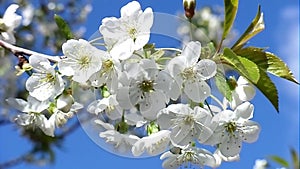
x: 231, y: 7
x: 223, y: 86
x: 295, y: 158
x: 268, y: 62
x: 252, y: 69
x: 63, y: 27
x: 256, y: 26
x: 280, y: 161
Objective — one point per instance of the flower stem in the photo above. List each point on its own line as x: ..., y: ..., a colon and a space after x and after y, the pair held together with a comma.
x: 218, y: 101
x: 95, y: 40
x: 170, y: 49
x: 15, y: 50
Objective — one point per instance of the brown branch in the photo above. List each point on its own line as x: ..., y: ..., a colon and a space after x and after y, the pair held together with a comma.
x: 18, y: 50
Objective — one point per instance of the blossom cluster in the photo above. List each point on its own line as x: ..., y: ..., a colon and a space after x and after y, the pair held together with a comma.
x: 150, y: 103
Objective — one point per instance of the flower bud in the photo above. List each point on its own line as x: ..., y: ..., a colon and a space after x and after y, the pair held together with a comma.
x: 189, y: 8
x: 232, y: 83
x: 65, y: 102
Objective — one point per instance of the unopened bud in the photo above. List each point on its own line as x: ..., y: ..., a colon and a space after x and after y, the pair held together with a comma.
x: 232, y: 83
x: 189, y: 8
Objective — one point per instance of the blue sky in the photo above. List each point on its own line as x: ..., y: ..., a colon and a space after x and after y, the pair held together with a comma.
x: 280, y: 131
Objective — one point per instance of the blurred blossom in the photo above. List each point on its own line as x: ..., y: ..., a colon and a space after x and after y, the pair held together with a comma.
x: 27, y: 13
x: 260, y: 164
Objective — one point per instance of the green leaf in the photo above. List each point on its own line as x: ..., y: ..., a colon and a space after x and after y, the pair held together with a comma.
x: 252, y: 69
x: 256, y: 26
x: 268, y: 62
x: 280, y: 161
x: 230, y: 57
x: 231, y: 7
x: 63, y: 27
x: 223, y: 86
x: 278, y: 68
x: 268, y: 88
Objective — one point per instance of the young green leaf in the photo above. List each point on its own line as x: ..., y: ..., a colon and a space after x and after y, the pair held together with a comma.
x: 256, y: 26
x: 278, y: 68
x: 233, y: 60
x: 267, y: 62
x: 268, y: 88
x: 223, y: 86
x: 63, y: 27
x: 252, y: 69
x: 231, y: 7
x: 280, y: 161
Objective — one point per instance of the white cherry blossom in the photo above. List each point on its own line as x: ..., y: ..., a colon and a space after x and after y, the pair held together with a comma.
x: 188, y: 157
x: 108, y: 105
x: 108, y: 74
x: 190, y: 74
x: 121, y: 142
x: 45, y: 82
x: 60, y: 117
x: 260, y: 164
x: 154, y: 144
x: 128, y: 33
x: 8, y: 23
x: 186, y: 124
x: 82, y: 60
x: 143, y: 88
x: 231, y: 128
x: 32, y: 114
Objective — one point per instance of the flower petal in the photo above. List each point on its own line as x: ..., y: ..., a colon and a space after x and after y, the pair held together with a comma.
x: 197, y: 91
x: 191, y: 52
x: 206, y: 69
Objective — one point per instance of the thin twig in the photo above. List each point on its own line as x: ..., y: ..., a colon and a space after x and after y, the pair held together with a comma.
x: 16, y: 50
x: 15, y: 161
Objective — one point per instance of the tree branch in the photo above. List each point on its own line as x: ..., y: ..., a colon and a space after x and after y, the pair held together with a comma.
x: 16, y: 50
x: 16, y: 161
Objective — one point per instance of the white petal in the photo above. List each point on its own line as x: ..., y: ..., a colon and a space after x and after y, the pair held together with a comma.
x: 47, y: 126
x: 197, y: 91
x: 180, y: 134
x: 24, y: 119
x: 132, y: 8
x: 191, y: 52
x: 154, y: 144
x: 19, y: 104
x: 231, y: 147
x: 65, y: 68
x: 146, y: 21
x: 245, y: 92
x: 123, y: 49
x: 171, y: 163
x: 164, y: 118
x: 245, y: 110
x: 250, y: 131
x: 123, y: 98
x: 11, y: 19
x: 206, y: 69
x: 107, y: 126
x: 152, y: 104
